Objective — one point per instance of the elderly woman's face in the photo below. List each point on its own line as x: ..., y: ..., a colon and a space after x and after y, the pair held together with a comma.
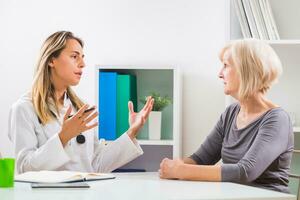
x: 229, y: 75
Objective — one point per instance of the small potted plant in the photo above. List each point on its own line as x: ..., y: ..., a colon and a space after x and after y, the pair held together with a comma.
x: 160, y: 102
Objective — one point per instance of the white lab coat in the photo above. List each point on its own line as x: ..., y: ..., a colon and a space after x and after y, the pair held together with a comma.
x: 38, y: 147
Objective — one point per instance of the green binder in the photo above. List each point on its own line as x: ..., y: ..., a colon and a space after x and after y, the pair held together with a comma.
x: 126, y: 91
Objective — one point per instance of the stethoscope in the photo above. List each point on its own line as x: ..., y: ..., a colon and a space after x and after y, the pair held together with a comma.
x: 80, y: 139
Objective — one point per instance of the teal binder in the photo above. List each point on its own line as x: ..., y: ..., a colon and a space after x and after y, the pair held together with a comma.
x: 126, y: 91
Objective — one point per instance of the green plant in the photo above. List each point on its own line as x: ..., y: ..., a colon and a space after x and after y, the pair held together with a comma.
x: 159, y: 102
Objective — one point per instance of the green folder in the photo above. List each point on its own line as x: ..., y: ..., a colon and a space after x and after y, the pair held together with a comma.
x: 126, y: 91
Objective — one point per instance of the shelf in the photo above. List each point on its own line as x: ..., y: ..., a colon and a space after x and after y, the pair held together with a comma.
x: 296, y: 129
x: 151, y: 142
x: 155, y: 142
x: 283, y: 42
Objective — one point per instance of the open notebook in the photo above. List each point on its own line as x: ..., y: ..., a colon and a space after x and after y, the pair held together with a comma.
x: 60, y: 177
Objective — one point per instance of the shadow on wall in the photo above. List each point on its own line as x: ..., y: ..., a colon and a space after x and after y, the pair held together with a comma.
x: 6, y: 147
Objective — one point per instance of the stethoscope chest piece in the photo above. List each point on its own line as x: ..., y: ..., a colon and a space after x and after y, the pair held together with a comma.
x: 80, y: 139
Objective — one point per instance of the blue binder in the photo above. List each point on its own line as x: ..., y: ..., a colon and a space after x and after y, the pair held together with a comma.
x: 107, y: 105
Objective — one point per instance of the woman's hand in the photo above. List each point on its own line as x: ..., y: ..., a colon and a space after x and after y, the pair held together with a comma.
x: 73, y: 126
x: 137, y: 120
x: 171, y: 169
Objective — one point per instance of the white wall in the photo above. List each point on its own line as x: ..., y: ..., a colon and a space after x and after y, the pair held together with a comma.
x: 184, y: 33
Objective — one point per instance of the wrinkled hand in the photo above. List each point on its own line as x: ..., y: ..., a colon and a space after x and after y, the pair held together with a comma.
x: 76, y: 124
x: 137, y: 120
x: 170, y: 169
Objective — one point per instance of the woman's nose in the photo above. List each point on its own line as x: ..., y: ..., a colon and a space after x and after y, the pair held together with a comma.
x: 220, y: 75
x: 82, y: 64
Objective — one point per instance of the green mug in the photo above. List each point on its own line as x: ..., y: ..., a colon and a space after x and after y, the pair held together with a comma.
x: 7, y: 168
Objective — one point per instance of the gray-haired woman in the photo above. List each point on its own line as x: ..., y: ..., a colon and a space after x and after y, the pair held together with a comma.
x: 254, y: 136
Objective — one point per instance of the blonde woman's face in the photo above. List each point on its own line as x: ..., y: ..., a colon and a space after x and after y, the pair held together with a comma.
x: 67, y: 67
x: 229, y: 75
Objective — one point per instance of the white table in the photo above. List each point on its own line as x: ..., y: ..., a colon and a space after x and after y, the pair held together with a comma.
x: 144, y: 186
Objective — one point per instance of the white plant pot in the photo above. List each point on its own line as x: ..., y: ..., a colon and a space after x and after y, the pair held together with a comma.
x: 154, y: 125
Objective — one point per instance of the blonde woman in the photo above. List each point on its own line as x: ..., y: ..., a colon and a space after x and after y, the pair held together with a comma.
x: 254, y: 136
x: 51, y: 128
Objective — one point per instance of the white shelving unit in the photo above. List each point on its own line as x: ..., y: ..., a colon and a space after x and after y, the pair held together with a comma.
x: 166, y: 81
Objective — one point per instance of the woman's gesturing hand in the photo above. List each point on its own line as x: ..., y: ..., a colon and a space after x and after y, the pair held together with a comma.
x: 76, y: 124
x: 137, y: 120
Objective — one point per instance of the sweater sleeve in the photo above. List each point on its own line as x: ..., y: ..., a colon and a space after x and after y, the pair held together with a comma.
x: 209, y: 152
x: 270, y: 142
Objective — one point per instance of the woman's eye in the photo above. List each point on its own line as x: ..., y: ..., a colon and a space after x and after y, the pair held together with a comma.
x: 74, y: 56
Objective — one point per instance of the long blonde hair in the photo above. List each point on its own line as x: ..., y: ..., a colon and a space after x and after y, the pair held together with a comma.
x: 257, y: 64
x: 42, y: 88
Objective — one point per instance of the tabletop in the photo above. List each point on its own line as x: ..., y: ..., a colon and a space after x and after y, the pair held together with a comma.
x: 144, y: 186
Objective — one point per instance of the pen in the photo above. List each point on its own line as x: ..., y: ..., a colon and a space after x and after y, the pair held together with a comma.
x: 87, y: 110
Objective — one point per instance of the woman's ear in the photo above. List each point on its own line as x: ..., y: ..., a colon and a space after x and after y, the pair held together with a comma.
x: 51, y: 62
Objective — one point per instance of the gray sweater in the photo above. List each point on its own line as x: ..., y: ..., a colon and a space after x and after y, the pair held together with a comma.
x: 258, y: 154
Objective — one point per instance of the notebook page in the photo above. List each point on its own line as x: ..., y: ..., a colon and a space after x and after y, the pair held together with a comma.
x: 49, y: 176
